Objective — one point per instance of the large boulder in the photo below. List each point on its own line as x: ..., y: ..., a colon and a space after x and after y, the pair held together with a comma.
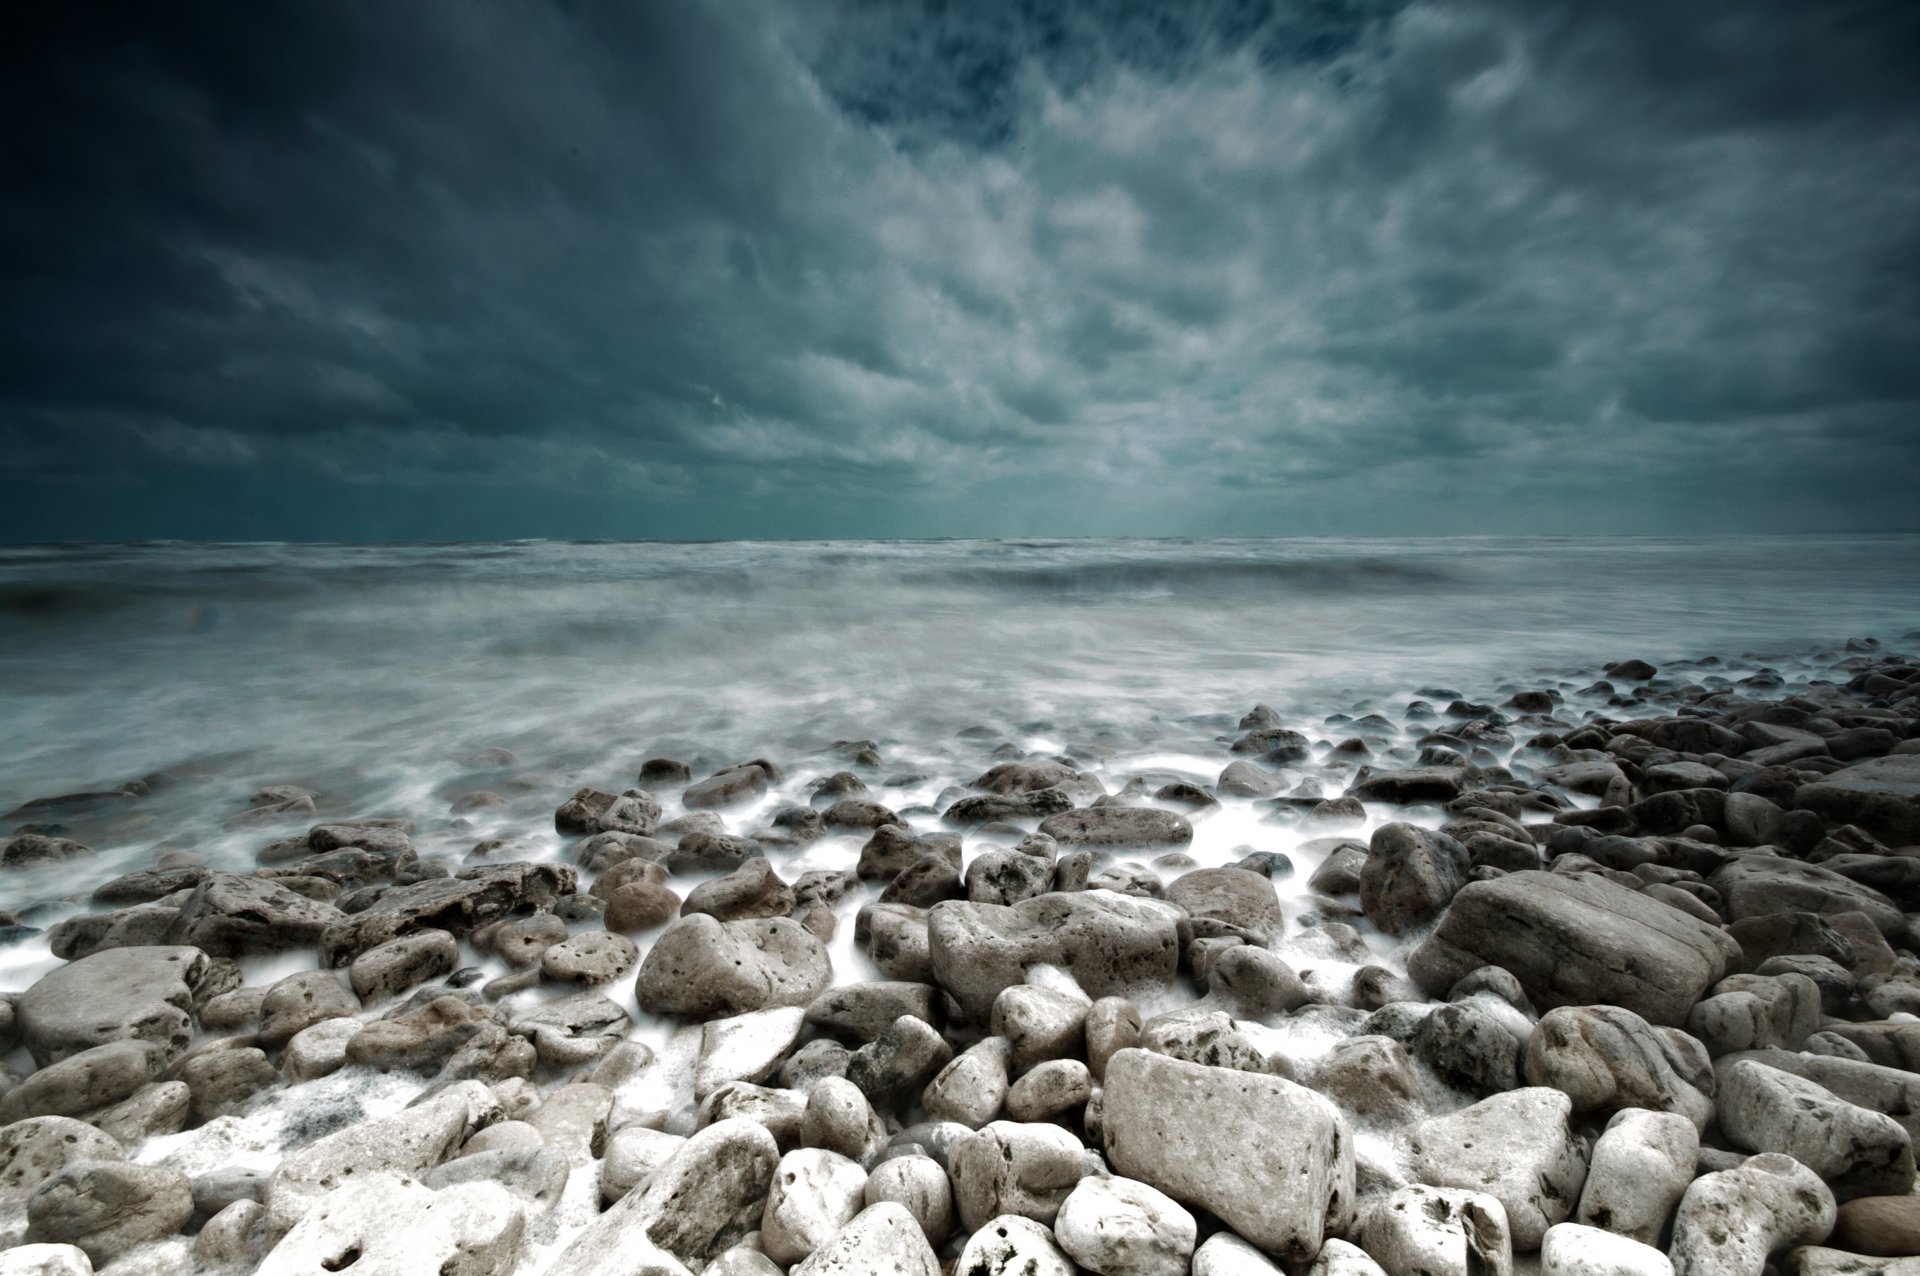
x: 1881, y: 795
x: 145, y: 994
x: 234, y: 915
x: 1858, y: 1152
x: 1273, y: 1160
x: 1761, y: 885
x: 1607, y: 1059
x: 1409, y: 876
x: 1110, y: 943
x: 457, y: 905
x: 703, y: 968
x: 1577, y: 939
x: 1516, y: 1148
x: 1730, y: 1221
x: 34, y: 1150
x: 1640, y: 1168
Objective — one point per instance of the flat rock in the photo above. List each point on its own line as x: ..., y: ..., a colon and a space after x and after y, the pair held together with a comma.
x: 83, y: 1082
x: 143, y: 994
x: 1111, y: 944
x: 1761, y: 885
x: 382, y: 1224
x: 1516, y: 1148
x: 1606, y: 1059
x: 457, y: 905
x: 1139, y: 827
x: 702, y: 968
x: 399, y: 964
x: 1273, y: 1160
x: 233, y: 915
x: 1881, y: 795
x: 1577, y: 939
x: 1228, y: 901
x: 747, y: 1047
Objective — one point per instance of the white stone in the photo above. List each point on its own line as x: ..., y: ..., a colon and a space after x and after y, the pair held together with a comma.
x: 1570, y: 1249
x: 814, y: 1194
x: 382, y: 1224
x: 1641, y: 1166
x: 1730, y: 1221
x: 745, y: 1047
x: 1438, y: 1231
x: 1013, y: 1246
x: 1120, y: 1227
x: 882, y: 1238
x: 1515, y: 1147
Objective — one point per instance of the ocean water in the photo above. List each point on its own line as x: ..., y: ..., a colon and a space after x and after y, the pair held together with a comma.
x: 375, y: 675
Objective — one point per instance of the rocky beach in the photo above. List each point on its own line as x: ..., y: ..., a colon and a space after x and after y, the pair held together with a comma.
x: 1427, y: 909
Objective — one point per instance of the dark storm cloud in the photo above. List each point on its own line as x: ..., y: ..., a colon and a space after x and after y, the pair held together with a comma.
x: 924, y: 268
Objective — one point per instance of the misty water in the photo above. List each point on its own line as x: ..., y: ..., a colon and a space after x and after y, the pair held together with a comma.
x: 378, y: 675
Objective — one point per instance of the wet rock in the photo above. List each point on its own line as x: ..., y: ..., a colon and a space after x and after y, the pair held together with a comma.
x: 1761, y: 885
x: 45, y: 1260
x: 1009, y: 1167
x: 1271, y: 1159
x: 1050, y: 1090
x: 1212, y: 1037
x: 972, y: 1089
x: 1573, y: 1250
x: 747, y: 1047
x: 702, y: 852
x: 319, y: 1050
x: 839, y: 1119
x: 1415, y: 784
x: 1007, y: 877
x: 1119, y: 1227
x: 1858, y: 1153
x: 814, y: 1194
x: 1248, y: 780
x: 142, y: 994
x: 1109, y: 943
x: 752, y: 890
x: 702, y: 968
x: 159, y: 1107
x: 1516, y: 1148
x: 1606, y: 1059
x: 1112, y: 1024
x: 421, y: 1038
x: 1729, y: 1222
x: 301, y: 1000
x: 536, y: 1176
x: 1013, y: 1245
x: 1881, y: 795
x: 782, y: 1112
x: 1229, y: 901
x: 108, y: 1208
x: 82, y: 1082
x: 458, y: 905
x: 881, y: 1238
x: 1438, y: 1231
x: 1339, y: 873
x: 1641, y: 1166
x: 523, y: 941
x: 35, y: 848
x: 35, y: 1149
x: 1409, y: 876
x: 1757, y: 1012
x: 590, y: 959
x: 921, y: 1186
x: 400, y: 964
x: 1140, y: 827
x: 898, y: 1063
x: 1038, y: 1024
x: 1469, y: 1048
x: 860, y: 1012
x: 231, y: 915
x: 222, y: 1080
x: 634, y: 1154
x: 385, y: 1225
x: 1371, y: 1077
x: 710, y: 1194
x: 898, y: 941
x: 1576, y: 940
x: 1337, y: 1258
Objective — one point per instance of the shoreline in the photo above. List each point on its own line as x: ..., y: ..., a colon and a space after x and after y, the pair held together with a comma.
x: 1317, y: 909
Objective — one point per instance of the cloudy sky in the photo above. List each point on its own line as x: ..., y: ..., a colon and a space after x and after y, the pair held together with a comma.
x: 449, y: 270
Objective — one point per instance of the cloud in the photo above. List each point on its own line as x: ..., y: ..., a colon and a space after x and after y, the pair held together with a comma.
x: 902, y: 269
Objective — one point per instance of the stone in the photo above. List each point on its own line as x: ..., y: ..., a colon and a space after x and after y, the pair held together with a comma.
x: 536, y: 1176
x: 589, y: 959
x: 747, y: 1047
x: 408, y: 1143
x: 1134, y: 827
x: 382, y: 1224
x: 1050, y: 1090
x: 160, y: 1107
x: 973, y: 1088
x: 1007, y: 877
x: 1881, y: 795
x: 814, y: 1194
x: 782, y: 1112
x: 1009, y: 1167
x: 634, y: 1154
x: 572, y: 1120
x: 1271, y: 1159
x: 1110, y: 944
x: 458, y: 905
x: 752, y: 890
x: 1112, y: 1025
x: 1570, y: 1249
x: 1515, y: 1147
x: 234, y: 915
x: 1641, y: 1165
x: 1237, y: 1258
x: 1858, y: 1153
x: 728, y: 786
x: 881, y: 1238
x: 45, y: 1260
x: 141, y: 993
x: 1038, y: 1023
x: 1761, y: 885
x: 1119, y: 1227
x: 1229, y: 901
x: 1817, y: 1260
x: 1438, y: 1231
x: 1883, y: 1226
x: 860, y: 1012
x: 892, y: 1068
x: 301, y: 1000
x: 393, y: 967
x: 839, y: 1119
x: 319, y: 1050
x: 702, y: 968
x: 1012, y: 1245
x: 898, y: 942
x: 703, y: 1200
x: 1757, y: 1012
x: 82, y: 1082
x: 422, y: 1038
x: 223, y: 1080
x: 522, y: 941
x: 1415, y: 784
x: 1256, y: 982
x: 34, y: 1150
x: 919, y: 1184
x: 1409, y: 876
x: 1371, y: 1077
x: 1730, y: 1221
x: 108, y: 1208
x: 1577, y: 939
x: 1469, y: 1047
x: 1606, y: 1059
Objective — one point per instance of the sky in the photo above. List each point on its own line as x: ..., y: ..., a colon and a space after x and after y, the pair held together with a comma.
x: 826, y: 268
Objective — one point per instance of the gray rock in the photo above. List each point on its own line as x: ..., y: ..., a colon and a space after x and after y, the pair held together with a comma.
x: 1641, y: 1166
x: 1409, y: 877
x: 892, y: 1068
x: 1256, y: 983
x: 860, y: 1012
x: 1438, y: 1231
x: 881, y: 1238
x: 1415, y: 784
x: 1469, y: 1047
x: 46, y: 1260
x: 382, y: 1224
x: 1050, y: 1090
x: 1757, y: 1012
x: 1881, y: 795
x: 747, y: 1047
x: 1730, y: 1221
x: 919, y: 1184
x: 34, y: 1150
x: 589, y: 959
x: 1858, y: 1153
x: 972, y: 1089
x: 1013, y: 1245
x: 634, y: 1154
x: 159, y: 1107
x: 1516, y: 1148
x: 143, y: 994
x: 222, y: 1078
x: 702, y: 968
x: 710, y: 1194
x: 1337, y: 1258
x: 1109, y: 943
x: 318, y: 1051
x: 1372, y: 1078
x: 1573, y: 1250
x: 1576, y: 940
x: 1038, y: 1023
x: 752, y: 890
x: 839, y: 1119
x: 814, y: 1194
x: 233, y: 915
x: 458, y: 905
x: 1873, y: 1086
x: 1273, y: 1160
x: 1007, y: 877
x: 301, y: 1000
x: 1229, y: 901
x: 421, y: 1038
x: 1138, y: 827
x: 1011, y: 1167
x: 1112, y: 1025
x: 727, y: 787
x: 1760, y: 885
x: 1607, y: 1059
x: 82, y: 1082
x: 1119, y: 1227
x: 393, y: 967
x: 108, y: 1208
x: 536, y: 1175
